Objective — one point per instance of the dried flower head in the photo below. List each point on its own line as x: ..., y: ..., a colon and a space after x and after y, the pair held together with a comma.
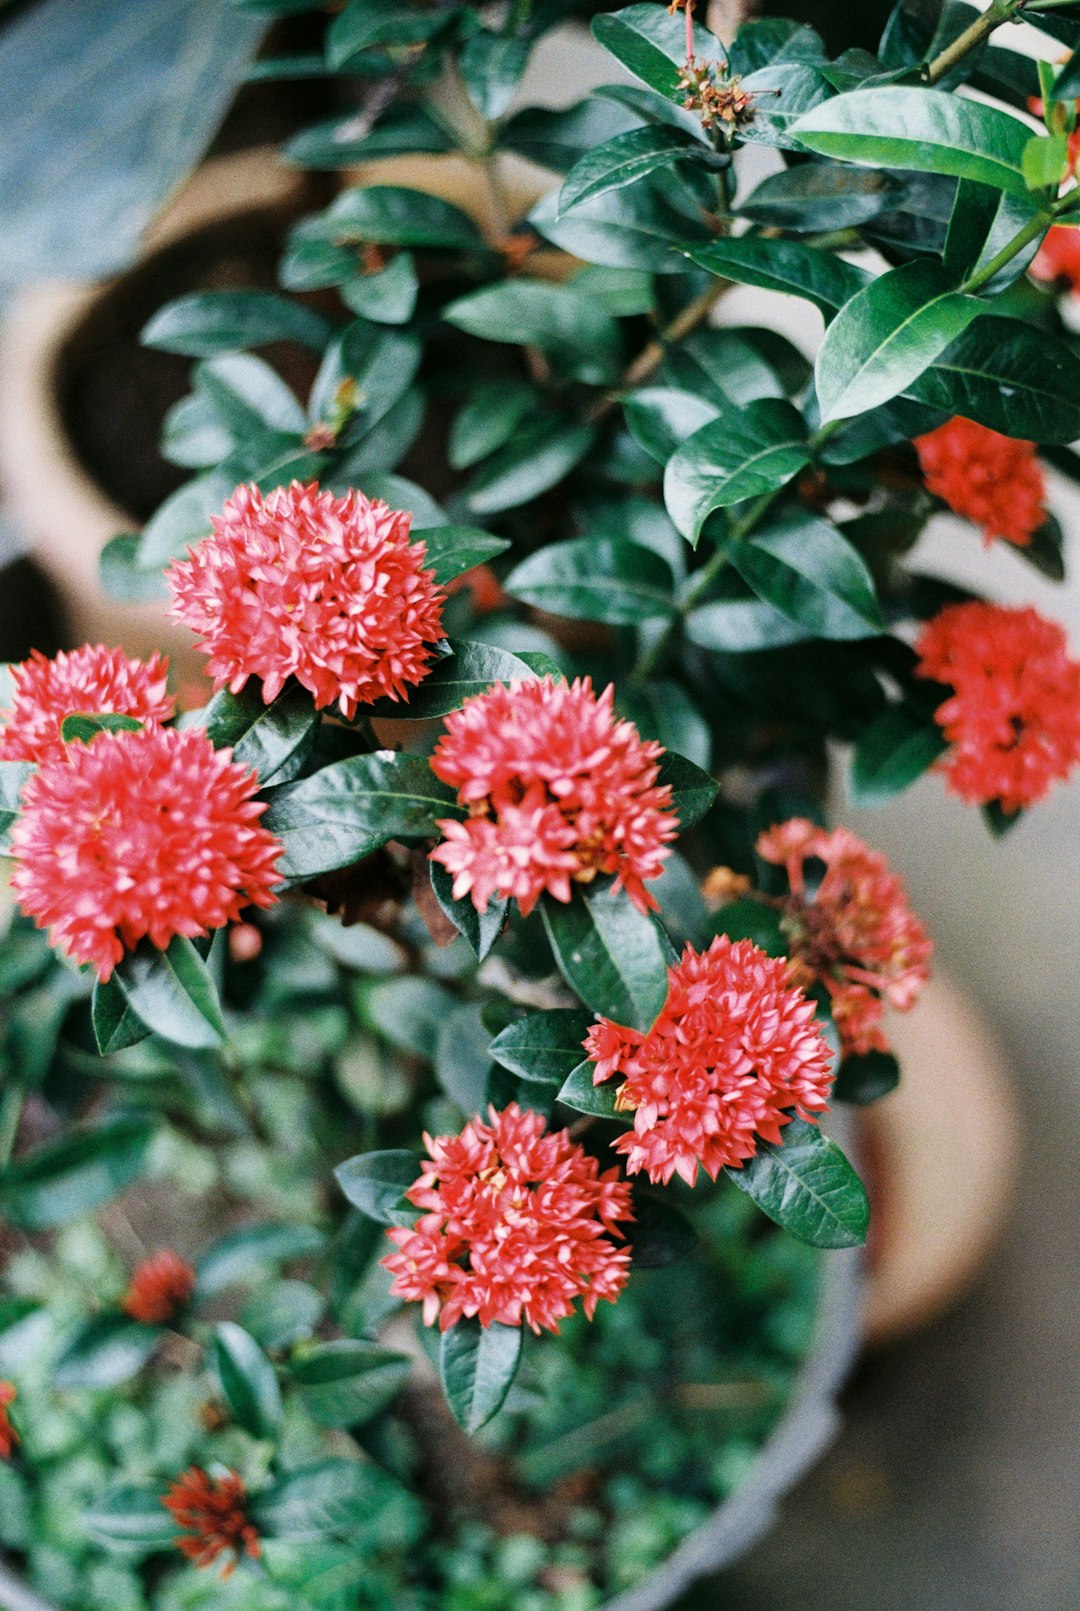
x: 160, y: 1288
x: 559, y: 790
x: 8, y: 1435
x: 1013, y: 719
x: 213, y: 1512
x: 849, y: 927
x: 716, y: 98
x: 89, y: 681
x: 733, y: 1054
x: 302, y: 584
x: 992, y: 480
x: 517, y: 1224
x: 140, y: 835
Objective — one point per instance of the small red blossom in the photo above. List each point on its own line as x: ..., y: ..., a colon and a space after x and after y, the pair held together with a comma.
x: 8, y: 1435
x: 140, y: 834
x: 854, y: 932
x: 732, y: 1054
x: 517, y: 1225
x: 558, y: 789
x: 213, y: 1511
x: 1058, y: 258
x: 1013, y: 719
x: 89, y: 681
x: 992, y: 480
x: 160, y: 1287
x: 303, y: 584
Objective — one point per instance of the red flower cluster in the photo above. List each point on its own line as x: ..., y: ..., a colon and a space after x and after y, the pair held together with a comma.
x: 214, y: 1513
x: 302, y: 584
x: 8, y: 1435
x: 992, y: 480
x: 734, y: 1049
x: 855, y: 932
x: 159, y: 1289
x: 517, y: 1224
x: 558, y: 788
x: 90, y: 681
x: 1058, y: 258
x: 149, y: 833
x: 1013, y: 719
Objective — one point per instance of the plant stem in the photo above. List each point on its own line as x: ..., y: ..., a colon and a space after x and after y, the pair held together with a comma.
x: 997, y: 12
x: 983, y: 276
x: 651, y: 357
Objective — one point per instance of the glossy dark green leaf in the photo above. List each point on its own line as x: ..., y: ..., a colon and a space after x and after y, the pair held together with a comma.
x: 692, y: 790
x: 121, y: 577
x: 555, y: 139
x: 362, y: 24
x: 272, y: 739
x: 342, y: 141
x: 651, y: 43
x: 130, y: 1520
x: 779, y: 265
x: 207, y: 322
x: 807, y: 1185
x: 376, y: 366
x: 661, y: 418
x: 609, y: 953
x: 651, y: 225
x: 376, y: 1183
x: 489, y: 418
x: 173, y: 993
x: 491, y: 66
x: 803, y: 567
x: 545, y: 1047
x: 570, y: 327
x: 463, y: 1057
x: 761, y: 41
x: 660, y: 1234
x: 335, y: 1496
x: 739, y: 626
x: 85, y: 728
x: 477, y: 1365
x: 737, y: 456
x: 392, y: 215
x: 1045, y: 159
x: 344, y: 1383
x: 894, y: 750
x: 783, y: 92
x: 453, y: 550
x: 252, y: 1252
x: 541, y: 453
x: 866, y: 1078
x: 887, y: 335
x: 13, y: 776
x: 750, y: 919
x: 625, y: 159
x: 116, y: 1023
x: 818, y: 196
x: 1010, y: 376
x: 108, y: 1350
x: 595, y: 579
x: 248, y: 1381
x: 580, y: 1092
x: 70, y: 1178
x: 252, y: 401
x: 387, y: 296
x: 479, y: 929
x: 928, y: 130
x: 340, y: 815
x: 469, y: 670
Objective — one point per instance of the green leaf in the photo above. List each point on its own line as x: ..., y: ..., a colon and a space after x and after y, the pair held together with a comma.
x: 251, y: 401
x: 272, y: 739
x: 543, y: 1047
x: 130, y: 1520
x: 1010, y: 376
x: 391, y: 215
x: 208, y: 322
x: 376, y: 1183
x: 596, y: 579
x: 541, y: 453
x: 345, y: 812
x: 278, y: 1315
x: 479, y: 929
x: 13, y: 777
x: 887, y: 335
x: 407, y: 1010
x: 345, y: 1383
x: 249, y: 1384
x: 662, y: 417
x: 121, y: 577
x: 477, y: 1365
x: 173, y: 993
x: 468, y: 670
x: 69, y: 1179
x: 463, y: 1057
x: 866, y: 1078
x: 692, y: 790
x: 85, y: 728
x: 1045, y: 159
x: 491, y: 65
x: 342, y: 141
x: 804, y: 568
x: 659, y: 1234
x: 570, y: 327
x: 740, y: 455
x: 489, y: 418
x: 108, y: 1350
x: 453, y: 550
x: 116, y: 1024
x: 335, y: 1496
x: 388, y: 296
x: 251, y: 1252
x: 651, y: 43
x: 580, y: 1092
x: 651, y: 225
x: 609, y: 953
x: 626, y: 158
x: 924, y: 130
x: 789, y: 266
x: 898, y: 747
x: 782, y: 91
x: 807, y: 1185
x: 739, y: 626
x: 819, y: 196
x: 364, y: 23
x: 750, y: 919
x: 762, y: 41
x: 376, y: 366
